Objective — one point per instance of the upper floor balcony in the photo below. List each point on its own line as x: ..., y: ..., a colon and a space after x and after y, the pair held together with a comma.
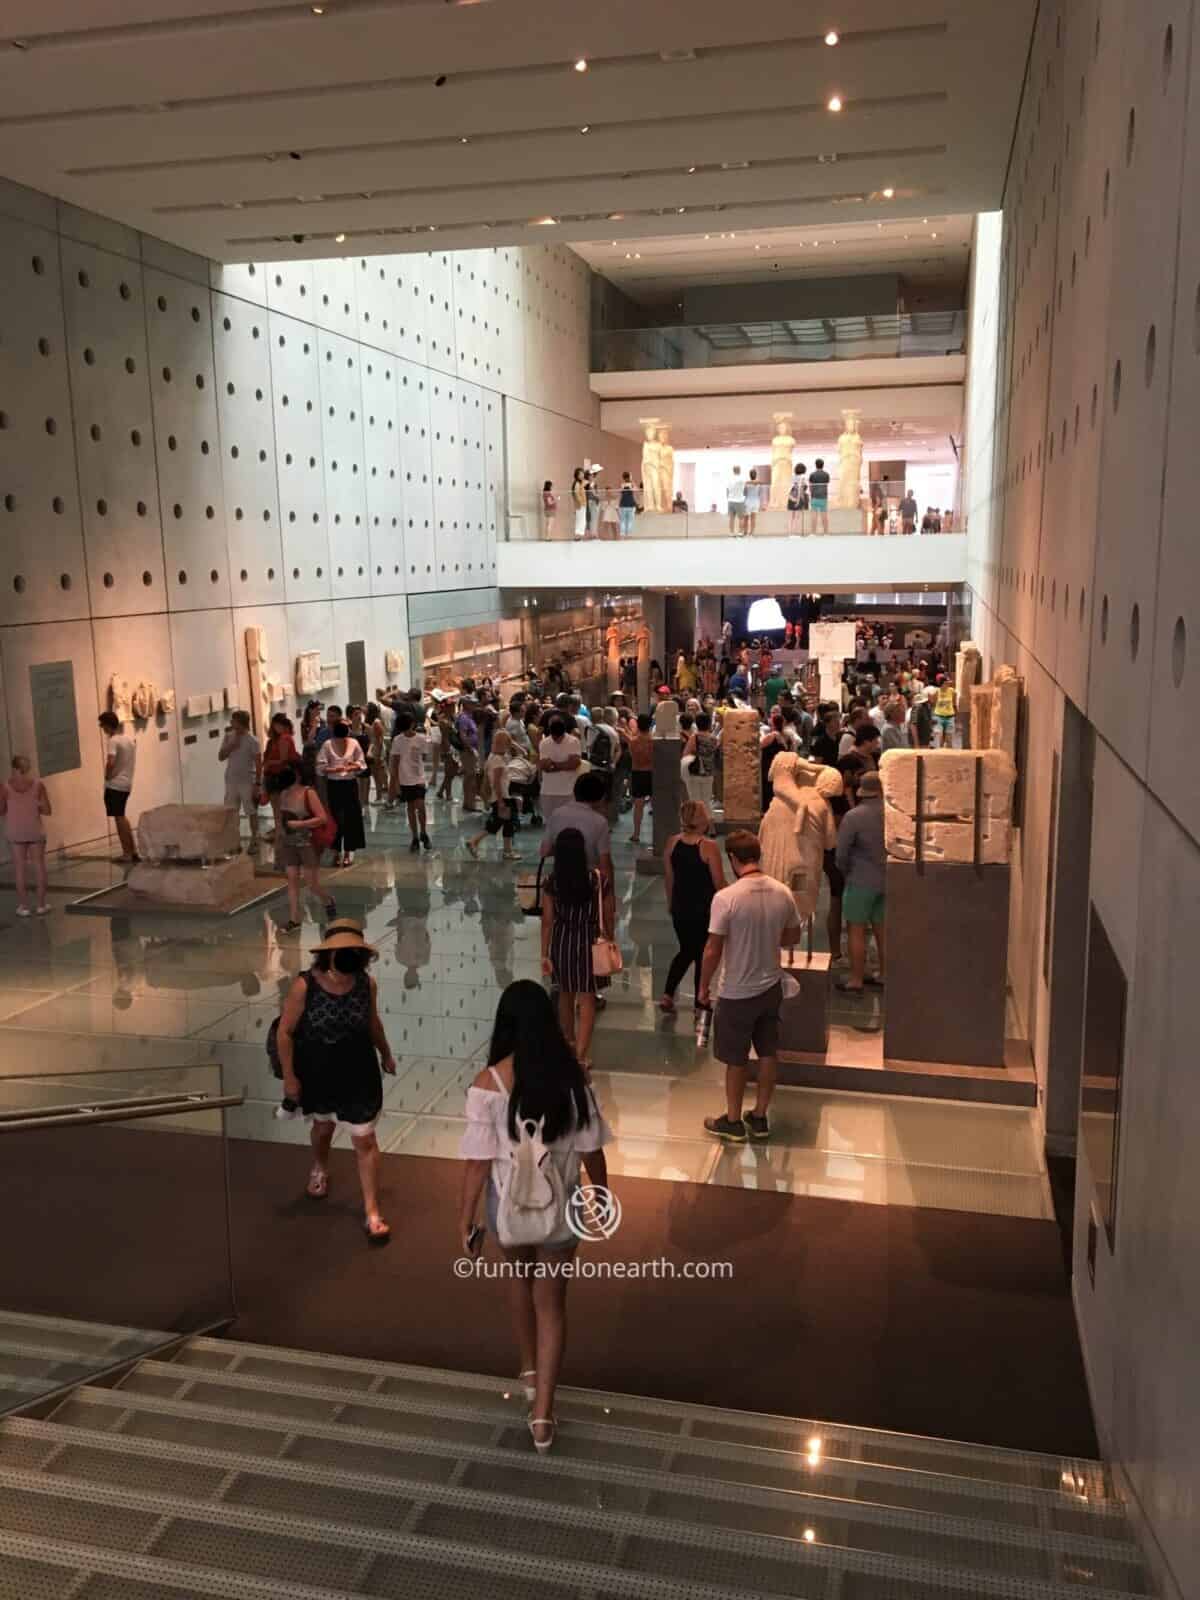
x: 742, y: 344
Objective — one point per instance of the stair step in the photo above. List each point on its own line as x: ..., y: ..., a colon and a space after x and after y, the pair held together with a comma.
x: 78, y: 1337
x: 509, y: 1489
x: 602, y: 1554
x: 301, y: 1369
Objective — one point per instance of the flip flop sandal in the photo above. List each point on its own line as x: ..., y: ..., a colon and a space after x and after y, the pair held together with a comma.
x: 318, y: 1184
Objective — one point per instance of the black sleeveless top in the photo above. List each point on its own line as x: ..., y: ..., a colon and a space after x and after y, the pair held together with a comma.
x: 692, y: 890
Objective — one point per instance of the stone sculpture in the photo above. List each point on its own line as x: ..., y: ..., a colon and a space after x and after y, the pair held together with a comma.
x: 742, y: 767
x: 393, y: 663
x: 947, y: 786
x: 967, y: 669
x: 260, y: 693
x: 308, y: 672
x: 643, y: 668
x: 612, y: 640
x: 651, y: 457
x: 166, y: 700
x: 782, y: 447
x: 995, y: 709
x: 799, y: 827
x: 188, y: 833
x: 143, y: 701
x: 850, y: 453
x: 119, y: 698
x: 666, y: 719
x: 666, y: 470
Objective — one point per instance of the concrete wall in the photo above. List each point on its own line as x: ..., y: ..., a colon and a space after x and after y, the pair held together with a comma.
x: 1086, y: 570
x: 188, y: 450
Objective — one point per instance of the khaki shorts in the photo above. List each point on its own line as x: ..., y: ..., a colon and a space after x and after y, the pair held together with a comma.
x: 741, y: 1023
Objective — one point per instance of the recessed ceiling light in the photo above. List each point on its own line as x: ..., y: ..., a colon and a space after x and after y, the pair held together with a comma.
x: 432, y: 227
x: 317, y: 11
x: 691, y: 169
x: 679, y: 211
x: 544, y: 222
x: 465, y: 139
x: 925, y: 219
x: 581, y: 65
x: 834, y: 103
x: 637, y: 255
x: 889, y: 194
x: 628, y: 255
x: 587, y: 128
x: 933, y: 235
x: 831, y: 38
x: 339, y: 238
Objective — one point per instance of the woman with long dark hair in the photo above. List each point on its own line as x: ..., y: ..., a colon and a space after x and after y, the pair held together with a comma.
x: 532, y: 1076
x: 572, y: 909
x: 340, y: 761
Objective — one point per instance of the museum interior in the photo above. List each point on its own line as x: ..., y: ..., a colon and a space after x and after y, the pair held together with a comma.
x: 778, y: 413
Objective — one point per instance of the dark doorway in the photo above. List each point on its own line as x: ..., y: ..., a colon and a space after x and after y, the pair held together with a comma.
x: 356, y: 672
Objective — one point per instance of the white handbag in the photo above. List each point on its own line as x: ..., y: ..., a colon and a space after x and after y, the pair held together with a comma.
x: 606, y: 953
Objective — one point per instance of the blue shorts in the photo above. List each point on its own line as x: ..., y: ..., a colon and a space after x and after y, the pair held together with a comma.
x: 820, y: 503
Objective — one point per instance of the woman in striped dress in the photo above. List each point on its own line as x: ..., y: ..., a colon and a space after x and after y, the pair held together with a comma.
x: 572, y: 899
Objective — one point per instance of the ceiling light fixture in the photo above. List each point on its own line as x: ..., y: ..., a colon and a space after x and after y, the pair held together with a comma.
x: 339, y: 238
x: 889, y: 194
x: 587, y: 128
x: 691, y: 170
x: 834, y: 103
x: 317, y: 11
x: 832, y: 37
x: 616, y: 216
x: 465, y: 139
x: 432, y: 227
x: 581, y: 65
x: 679, y: 211
x: 933, y: 235
x: 544, y: 222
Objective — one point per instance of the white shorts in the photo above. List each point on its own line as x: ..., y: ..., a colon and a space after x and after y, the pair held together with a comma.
x: 240, y: 797
x: 356, y: 1130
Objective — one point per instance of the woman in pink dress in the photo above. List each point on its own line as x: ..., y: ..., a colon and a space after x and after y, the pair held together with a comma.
x: 23, y: 803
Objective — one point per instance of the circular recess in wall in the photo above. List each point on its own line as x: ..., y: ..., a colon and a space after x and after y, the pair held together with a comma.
x: 166, y: 374
x: 1135, y: 631
x: 94, y: 431
x: 109, y: 580
x: 102, y: 507
x: 172, y: 442
x: 135, y: 437
x: 210, y: 512
x: 199, y: 380
x: 51, y: 426
x: 1196, y: 323
x: 1042, y: 591
x: 204, y: 447
x: 214, y: 576
x: 1107, y: 189
x: 1168, y: 55
x: 1116, y: 388
x: 125, y: 291
x: 271, y: 574
x: 38, y: 265
x: 130, y: 365
x: 1095, y: 402
x: 234, y: 451
x: 43, y: 347
x: 182, y: 576
x: 1178, y: 651
x: 89, y: 356
x: 266, y: 516
x: 238, y: 513
x: 262, y: 455
x: 1087, y: 238
x: 19, y: 584
x: 258, y: 394
x: 1130, y: 136
x: 195, y: 313
x: 84, y: 280
x: 226, y: 324
x: 141, y: 508
x: 1151, y: 348
x: 64, y: 580
x: 1067, y: 601
x: 58, y: 505
x: 1104, y: 620
x: 295, y: 572
x: 1082, y: 600
x: 243, y: 575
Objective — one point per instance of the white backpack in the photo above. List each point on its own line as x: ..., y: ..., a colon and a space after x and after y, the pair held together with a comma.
x: 533, y: 1199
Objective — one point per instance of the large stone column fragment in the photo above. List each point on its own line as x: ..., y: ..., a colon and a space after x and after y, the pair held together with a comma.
x: 741, y: 764
x: 935, y: 791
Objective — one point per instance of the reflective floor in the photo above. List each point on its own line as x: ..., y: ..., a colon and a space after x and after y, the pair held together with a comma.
x: 148, y: 990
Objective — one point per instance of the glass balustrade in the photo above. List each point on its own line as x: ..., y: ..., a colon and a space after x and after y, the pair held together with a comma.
x: 737, y: 344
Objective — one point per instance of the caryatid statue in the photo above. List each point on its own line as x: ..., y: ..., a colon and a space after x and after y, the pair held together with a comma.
x: 850, y: 452
x: 651, y: 458
x: 612, y: 640
x: 666, y: 469
x: 782, y: 446
x: 643, y: 668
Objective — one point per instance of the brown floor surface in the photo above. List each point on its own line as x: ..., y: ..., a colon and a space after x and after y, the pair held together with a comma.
x: 942, y: 1323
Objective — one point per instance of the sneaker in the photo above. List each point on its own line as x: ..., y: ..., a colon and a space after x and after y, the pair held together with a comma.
x: 425, y: 841
x: 24, y: 911
x: 757, y: 1127
x: 43, y: 911
x: 722, y: 1128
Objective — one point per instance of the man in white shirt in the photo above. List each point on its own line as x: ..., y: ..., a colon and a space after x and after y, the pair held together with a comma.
x: 407, y: 764
x: 735, y: 498
x: 120, y: 757
x: 242, y: 755
x: 559, y: 756
x: 747, y: 924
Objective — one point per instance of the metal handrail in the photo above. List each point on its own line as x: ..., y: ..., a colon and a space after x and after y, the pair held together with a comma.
x: 79, y: 1116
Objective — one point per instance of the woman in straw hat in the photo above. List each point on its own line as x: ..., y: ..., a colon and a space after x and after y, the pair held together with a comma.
x: 331, y: 1047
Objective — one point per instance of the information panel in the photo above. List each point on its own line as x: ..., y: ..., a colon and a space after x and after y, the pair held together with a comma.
x: 55, y: 724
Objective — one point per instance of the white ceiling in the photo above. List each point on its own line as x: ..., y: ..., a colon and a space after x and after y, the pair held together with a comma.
x: 928, y: 245
x: 228, y: 126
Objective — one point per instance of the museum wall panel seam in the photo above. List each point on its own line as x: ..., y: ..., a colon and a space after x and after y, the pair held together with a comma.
x: 1085, y: 568
x: 187, y: 450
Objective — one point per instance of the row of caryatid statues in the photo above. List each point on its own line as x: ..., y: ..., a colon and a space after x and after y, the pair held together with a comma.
x: 658, y: 463
x: 658, y: 466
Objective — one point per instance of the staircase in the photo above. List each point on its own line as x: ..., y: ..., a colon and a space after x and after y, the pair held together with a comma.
x: 251, y: 1473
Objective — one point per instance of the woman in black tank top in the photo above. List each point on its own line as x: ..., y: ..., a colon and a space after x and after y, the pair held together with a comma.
x: 694, y: 873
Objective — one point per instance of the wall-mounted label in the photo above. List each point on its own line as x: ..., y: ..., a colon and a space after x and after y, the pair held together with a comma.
x: 55, y: 723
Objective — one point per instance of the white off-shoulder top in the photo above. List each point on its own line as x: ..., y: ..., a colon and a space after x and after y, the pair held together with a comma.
x: 486, y: 1137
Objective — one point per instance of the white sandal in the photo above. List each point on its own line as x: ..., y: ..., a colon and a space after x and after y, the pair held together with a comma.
x: 529, y: 1389
x: 542, y: 1445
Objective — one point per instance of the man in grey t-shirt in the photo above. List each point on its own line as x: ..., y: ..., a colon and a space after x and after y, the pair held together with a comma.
x: 747, y: 923
x: 862, y: 858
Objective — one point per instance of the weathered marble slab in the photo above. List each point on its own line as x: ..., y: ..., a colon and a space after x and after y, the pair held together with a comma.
x: 188, y: 833
x: 947, y: 820
x: 741, y: 764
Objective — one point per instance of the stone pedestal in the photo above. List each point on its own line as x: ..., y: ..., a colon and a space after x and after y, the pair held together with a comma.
x: 947, y: 938
x: 668, y: 791
x: 188, y: 833
x: 225, y: 883
x: 804, y: 1017
x: 741, y: 765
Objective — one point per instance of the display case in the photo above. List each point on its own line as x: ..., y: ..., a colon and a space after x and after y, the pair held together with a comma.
x: 497, y: 650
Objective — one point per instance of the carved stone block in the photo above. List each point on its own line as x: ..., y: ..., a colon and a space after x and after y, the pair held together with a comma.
x: 666, y: 719
x: 947, y: 804
x: 187, y: 833
x: 741, y: 763
x: 223, y: 884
